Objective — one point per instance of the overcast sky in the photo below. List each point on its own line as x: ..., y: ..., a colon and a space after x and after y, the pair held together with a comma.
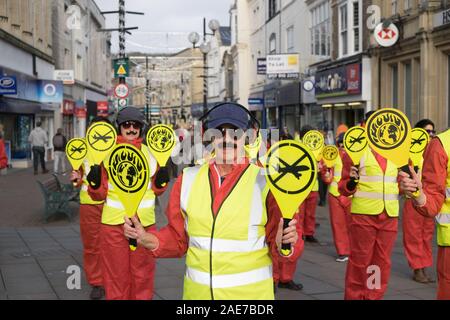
x: 166, y: 23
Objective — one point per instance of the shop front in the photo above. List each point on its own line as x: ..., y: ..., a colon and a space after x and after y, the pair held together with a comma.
x: 290, y: 107
x: 271, y: 95
x: 256, y: 108
x: 343, y: 92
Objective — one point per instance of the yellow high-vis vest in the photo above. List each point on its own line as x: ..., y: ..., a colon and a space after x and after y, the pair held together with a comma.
x: 228, y: 257
x: 443, y: 218
x: 376, y: 190
x: 114, y: 211
x: 333, y: 189
x: 85, y: 198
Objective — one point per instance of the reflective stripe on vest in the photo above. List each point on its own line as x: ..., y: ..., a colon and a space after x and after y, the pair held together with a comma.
x: 114, y: 211
x: 85, y: 198
x: 230, y: 280
x: 376, y: 190
x: 443, y: 218
x: 336, y: 177
x: 228, y: 257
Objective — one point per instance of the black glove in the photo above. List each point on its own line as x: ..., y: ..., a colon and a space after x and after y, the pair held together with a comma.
x: 162, y: 177
x: 95, y: 177
x: 351, y: 185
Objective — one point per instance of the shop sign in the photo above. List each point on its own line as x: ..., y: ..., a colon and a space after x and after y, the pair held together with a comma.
x: 340, y: 81
x: 68, y: 107
x: 50, y: 91
x: 102, y: 108
x: 261, y: 66
x: 441, y: 18
x: 8, y: 85
x: 283, y: 66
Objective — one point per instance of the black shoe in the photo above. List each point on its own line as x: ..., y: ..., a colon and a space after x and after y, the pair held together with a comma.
x: 317, y: 224
x: 311, y: 239
x: 45, y: 171
x: 291, y: 285
x: 97, y: 293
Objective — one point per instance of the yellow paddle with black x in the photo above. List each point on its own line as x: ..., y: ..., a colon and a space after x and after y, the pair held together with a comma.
x: 291, y: 170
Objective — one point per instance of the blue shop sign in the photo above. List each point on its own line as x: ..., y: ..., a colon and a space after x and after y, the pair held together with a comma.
x: 8, y: 85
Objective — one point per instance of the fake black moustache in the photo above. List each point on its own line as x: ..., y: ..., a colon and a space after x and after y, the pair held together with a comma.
x: 132, y: 132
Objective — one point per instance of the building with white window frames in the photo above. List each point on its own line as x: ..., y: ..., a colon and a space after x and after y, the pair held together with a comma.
x: 414, y: 74
x: 343, y: 81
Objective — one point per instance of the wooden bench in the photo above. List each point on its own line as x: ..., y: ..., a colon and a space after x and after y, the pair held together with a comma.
x: 56, y: 197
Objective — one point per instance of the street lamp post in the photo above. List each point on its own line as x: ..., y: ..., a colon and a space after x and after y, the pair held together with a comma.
x: 205, y: 47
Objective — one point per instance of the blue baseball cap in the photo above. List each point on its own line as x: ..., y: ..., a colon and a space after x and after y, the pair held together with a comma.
x: 228, y: 113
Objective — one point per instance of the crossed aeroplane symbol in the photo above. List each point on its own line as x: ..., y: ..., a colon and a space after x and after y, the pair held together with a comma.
x: 102, y: 137
x: 79, y: 149
x: 293, y: 169
x: 418, y: 140
x: 354, y: 140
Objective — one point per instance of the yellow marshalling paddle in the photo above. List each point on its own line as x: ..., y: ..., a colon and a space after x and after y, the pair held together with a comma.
x: 129, y: 173
x: 291, y: 170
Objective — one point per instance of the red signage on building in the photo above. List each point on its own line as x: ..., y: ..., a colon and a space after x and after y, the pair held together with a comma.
x: 354, y: 78
x: 102, y: 108
x: 68, y: 107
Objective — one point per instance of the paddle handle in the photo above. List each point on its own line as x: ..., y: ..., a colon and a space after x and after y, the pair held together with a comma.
x: 132, y: 243
x: 286, y: 247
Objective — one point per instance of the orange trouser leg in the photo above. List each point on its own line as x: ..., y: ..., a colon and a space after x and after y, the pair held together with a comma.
x: 371, y: 249
x: 286, y: 269
x: 127, y: 275
x: 417, y: 237
x: 309, y: 226
x: 339, y: 218
x: 443, y: 273
x: 90, y: 223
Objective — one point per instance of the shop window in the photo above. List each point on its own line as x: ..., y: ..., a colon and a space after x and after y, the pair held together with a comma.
x: 320, y: 26
x: 272, y: 44
x: 356, y: 27
x: 272, y: 8
x: 343, y: 43
x: 290, y: 39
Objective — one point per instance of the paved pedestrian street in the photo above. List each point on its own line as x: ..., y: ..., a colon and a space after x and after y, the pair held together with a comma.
x: 34, y: 260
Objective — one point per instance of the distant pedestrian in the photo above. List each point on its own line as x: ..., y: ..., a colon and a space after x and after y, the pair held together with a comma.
x: 38, y: 139
x: 59, y: 146
x: 3, y: 155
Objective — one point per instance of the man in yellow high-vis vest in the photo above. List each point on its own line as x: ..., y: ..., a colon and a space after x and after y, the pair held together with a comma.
x: 374, y: 223
x: 90, y: 225
x: 127, y: 275
x: 433, y: 200
x: 223, y: 217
